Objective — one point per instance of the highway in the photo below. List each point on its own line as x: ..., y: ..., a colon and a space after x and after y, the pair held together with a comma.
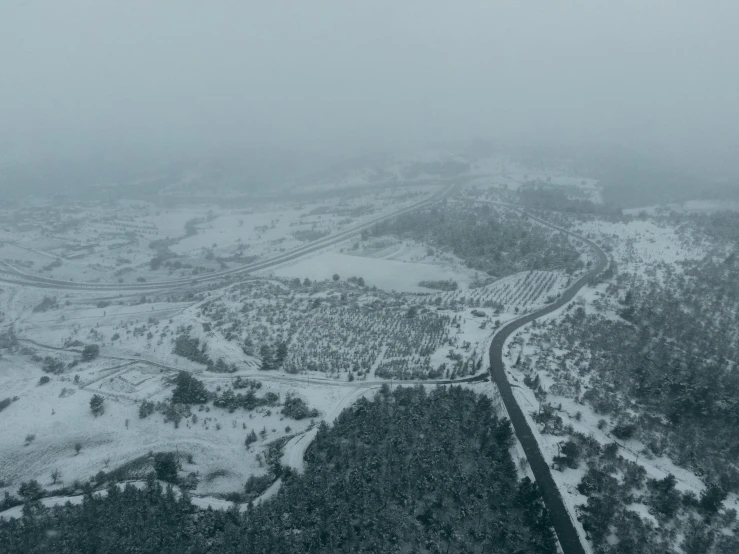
x: 11, y: 275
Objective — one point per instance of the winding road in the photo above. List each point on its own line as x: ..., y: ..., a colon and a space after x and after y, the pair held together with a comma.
x: 561, y: 519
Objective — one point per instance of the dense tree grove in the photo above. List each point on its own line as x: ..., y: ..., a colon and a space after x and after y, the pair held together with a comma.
x: 296, y: 408
x: 561, y: 199
x: 447, y: 284
x: 666, y: 368
x: 90, y: 352
x: 247, y: 401
x: 166, y: 466
x: 188, y: 390
x: 499, y: 243
x: 673, y: 355
x: 410, y: 471
x: 613, y: 485
x: 722, y: 226
x: 657, y: 354
x: 190, y: 348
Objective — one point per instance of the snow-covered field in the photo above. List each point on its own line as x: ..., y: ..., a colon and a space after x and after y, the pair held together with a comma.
x: 644, y: 242
x: 343, y: 336
x: 40, y: 429
x: 382, y: 272
x: 135, y: 242
x: 133, y: 368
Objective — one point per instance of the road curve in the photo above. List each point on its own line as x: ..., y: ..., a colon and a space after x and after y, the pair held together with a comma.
x: 22, y: 278
x: 563, y: 525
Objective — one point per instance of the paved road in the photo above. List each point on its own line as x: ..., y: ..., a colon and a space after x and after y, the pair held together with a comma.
x: 13, y: 275
x: 563, y: 525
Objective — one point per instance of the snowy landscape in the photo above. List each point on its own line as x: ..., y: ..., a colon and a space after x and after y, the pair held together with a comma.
x: 369, y: 277
x: 137, y: 341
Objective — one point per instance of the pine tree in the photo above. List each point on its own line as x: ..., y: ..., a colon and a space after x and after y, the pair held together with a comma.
x: 166, y: 466
x: 265, y: 353
x: 189, y: 390
x: 280, y: 353
x: 97, y: 405
x: 90, y: 352
x: 31, y: 490
x: 248, y: 347
x: 250, y: 438
x: 712, y: 498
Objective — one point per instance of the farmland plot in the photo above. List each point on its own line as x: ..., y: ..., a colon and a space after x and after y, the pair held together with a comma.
x: 341, y: 329
x: 522, y: 291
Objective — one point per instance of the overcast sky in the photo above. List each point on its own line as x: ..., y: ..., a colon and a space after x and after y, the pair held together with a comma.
x: 351, y: 74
